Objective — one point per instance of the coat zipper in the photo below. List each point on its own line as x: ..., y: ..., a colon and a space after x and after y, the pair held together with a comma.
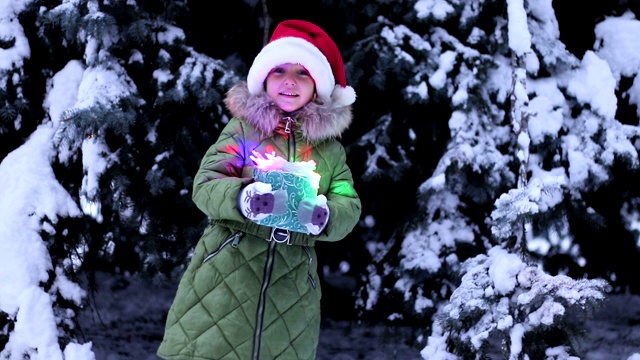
x: 234, y: 239
x: 268, y: 267
x: 292, y: 138
x: 268, y: 270
x: 292, y: 149
x: 311, y: 280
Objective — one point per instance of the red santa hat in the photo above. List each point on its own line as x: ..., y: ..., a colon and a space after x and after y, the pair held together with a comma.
x: 304, y: 43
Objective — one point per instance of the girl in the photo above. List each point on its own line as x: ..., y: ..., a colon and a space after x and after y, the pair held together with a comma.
x: 252, y: 291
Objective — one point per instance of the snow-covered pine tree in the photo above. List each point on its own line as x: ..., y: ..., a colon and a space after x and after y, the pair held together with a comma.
x: 399, y: 147
x: 505, y: 296
x: 130, y: 107
x: 445, y: 90
x: 149, y: 132
x: 523, y: 127
x: 536, y: 315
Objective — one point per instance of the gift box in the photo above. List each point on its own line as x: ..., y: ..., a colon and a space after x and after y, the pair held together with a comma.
x: 298, y: 179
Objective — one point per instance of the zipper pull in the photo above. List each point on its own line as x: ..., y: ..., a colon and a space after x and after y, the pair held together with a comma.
x: 288, y: 125
x: 236, y: 241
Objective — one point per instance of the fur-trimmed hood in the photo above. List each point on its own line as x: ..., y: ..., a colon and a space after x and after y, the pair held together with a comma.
x: 317, y: 121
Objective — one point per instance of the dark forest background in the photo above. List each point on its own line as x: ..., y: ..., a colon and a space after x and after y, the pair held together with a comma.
x: 395, y: 144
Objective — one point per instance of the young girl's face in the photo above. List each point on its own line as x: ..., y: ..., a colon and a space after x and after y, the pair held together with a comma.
x: 290, y: 86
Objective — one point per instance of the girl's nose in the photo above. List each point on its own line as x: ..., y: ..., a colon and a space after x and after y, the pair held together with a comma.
x: 289, y: 81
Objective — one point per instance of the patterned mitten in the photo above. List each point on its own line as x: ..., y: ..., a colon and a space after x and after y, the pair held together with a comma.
x: 314, y: 214
x: 257, y: 201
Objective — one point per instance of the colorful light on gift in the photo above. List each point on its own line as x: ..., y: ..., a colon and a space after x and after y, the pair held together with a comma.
x: 273, y: 162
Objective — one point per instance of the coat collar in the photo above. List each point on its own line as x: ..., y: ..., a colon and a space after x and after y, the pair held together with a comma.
x: 317, y: 121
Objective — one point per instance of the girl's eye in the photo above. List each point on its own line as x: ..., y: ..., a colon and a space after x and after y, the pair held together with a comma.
x: 303, y: 72
x: 278, y: 70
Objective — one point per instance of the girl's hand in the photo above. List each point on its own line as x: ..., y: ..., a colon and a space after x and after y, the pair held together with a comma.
x: 314, y: 214
x: 257, y: 201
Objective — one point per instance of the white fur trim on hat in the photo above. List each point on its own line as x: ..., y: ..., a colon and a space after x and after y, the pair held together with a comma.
x: 292, y: 50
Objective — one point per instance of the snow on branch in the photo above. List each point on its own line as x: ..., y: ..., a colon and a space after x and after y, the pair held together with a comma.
x: 538, y: 196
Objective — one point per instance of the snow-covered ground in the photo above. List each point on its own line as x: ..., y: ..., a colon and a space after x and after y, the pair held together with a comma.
x: 126, y: 321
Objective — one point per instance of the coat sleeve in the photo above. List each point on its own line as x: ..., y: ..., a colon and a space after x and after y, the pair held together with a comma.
x: 220, y: 177
x: 344, y: 204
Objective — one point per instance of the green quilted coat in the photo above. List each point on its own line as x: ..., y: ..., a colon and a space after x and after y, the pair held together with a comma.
x: 243, y: 296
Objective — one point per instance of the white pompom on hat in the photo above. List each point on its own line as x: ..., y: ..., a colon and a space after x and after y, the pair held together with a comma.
x: 304, y: 43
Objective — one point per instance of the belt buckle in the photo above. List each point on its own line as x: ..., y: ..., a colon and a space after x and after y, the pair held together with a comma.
x: 280, y: 235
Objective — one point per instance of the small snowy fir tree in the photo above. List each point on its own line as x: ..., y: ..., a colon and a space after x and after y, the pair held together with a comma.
x: 529, y: 313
